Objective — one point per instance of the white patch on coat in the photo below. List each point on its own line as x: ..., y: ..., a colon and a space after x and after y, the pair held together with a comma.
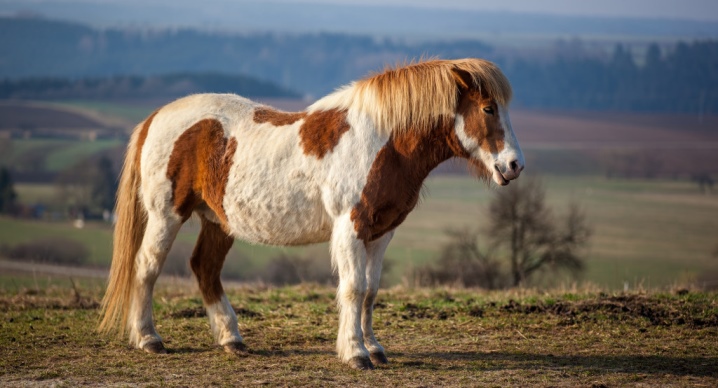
x: 277, y: 195
x: 512, y: 150
x: 223, y: 322
x: 375, y: 256
x: 349, y: 258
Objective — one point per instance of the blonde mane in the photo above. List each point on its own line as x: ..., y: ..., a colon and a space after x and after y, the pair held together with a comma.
x: 419, y: 95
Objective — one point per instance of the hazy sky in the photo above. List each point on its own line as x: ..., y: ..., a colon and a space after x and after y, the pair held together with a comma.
x: 672, y: 9
x: 683, y: 9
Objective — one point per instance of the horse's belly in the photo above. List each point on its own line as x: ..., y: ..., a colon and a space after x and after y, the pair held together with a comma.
x: 291, y: 220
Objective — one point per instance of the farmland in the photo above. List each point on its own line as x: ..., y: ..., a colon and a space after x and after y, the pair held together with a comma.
x: 653, y: 233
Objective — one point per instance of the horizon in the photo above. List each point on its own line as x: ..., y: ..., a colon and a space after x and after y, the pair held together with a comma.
x: 514, y: 20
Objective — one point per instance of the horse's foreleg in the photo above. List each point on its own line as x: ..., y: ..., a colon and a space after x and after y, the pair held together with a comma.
x: 349, y: 259
x: 375, y: 257
x: 206, y: 262
x: 159, y: 235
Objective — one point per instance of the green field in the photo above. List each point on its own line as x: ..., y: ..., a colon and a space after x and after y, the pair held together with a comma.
x: 52, y: 155
x: 439, y: 337
x: 130, y: 113
x: 645, y: 233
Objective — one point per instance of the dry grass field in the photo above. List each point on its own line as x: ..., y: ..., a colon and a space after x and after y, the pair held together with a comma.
x: 440, y: 337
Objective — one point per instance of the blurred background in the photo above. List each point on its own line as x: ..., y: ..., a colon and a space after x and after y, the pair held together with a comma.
x: 616, y: 109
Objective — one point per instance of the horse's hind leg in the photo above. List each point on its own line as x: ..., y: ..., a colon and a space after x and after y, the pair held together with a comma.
x: 206, y: 262
x: 159, y: 235
x: 375, y: 257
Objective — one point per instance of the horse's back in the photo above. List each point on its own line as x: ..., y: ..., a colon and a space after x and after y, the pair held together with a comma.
x: 206, y: 149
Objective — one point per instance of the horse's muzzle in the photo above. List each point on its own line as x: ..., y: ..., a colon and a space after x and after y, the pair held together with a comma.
x: 505, y: 172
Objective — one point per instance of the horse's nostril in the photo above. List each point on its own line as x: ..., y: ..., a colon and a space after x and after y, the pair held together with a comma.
x: 514, y: 166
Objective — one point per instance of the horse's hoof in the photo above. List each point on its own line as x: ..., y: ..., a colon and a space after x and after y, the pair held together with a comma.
x: 378, y: 358
x: 237, y: 348
x: 155, y: 348
x: 361, y: 363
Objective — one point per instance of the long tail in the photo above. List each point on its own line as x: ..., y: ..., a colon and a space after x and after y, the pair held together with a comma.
x: 129, y: 230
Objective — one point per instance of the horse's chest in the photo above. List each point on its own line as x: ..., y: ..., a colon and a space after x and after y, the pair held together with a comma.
x: 393, y: 185
x: 390, y: 194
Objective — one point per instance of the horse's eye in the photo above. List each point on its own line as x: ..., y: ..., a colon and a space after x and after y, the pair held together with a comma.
x: 489, y: 110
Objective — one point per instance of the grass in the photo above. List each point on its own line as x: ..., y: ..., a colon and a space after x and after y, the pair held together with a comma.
x: 95, y: 236
x: 652, y: 231
x: 131, y: 113
x: 53, y: 155
x: 441, y: 337
x: 74, y: 153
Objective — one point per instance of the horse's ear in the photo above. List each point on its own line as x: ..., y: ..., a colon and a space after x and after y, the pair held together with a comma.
x: 463, y: 79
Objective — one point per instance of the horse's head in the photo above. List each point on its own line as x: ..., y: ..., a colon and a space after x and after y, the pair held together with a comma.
x: 483, y: 129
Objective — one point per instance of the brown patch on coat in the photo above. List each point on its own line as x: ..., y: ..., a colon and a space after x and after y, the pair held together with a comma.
x: 480, y: 125
x: 199, y: 168
x: 321, y: 131
x: 142, y: 137
x: 207, y: 260
x: 275, y: 117
x: 395, y: 179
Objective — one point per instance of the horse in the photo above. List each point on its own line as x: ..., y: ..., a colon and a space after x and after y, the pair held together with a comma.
x: 347, y: 170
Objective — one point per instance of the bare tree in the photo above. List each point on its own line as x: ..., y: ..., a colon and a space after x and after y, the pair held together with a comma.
x: 8, y: 196
x: 521, y: 223
x: 462, y: 263
x: 104, y: 184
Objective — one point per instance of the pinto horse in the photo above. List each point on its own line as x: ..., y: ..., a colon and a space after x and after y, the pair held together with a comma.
x: 347, y: 170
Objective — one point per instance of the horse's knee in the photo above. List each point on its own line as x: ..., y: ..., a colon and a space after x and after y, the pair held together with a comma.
x: 196, y: 265
x: 353, y: 291
x: 148, y: 267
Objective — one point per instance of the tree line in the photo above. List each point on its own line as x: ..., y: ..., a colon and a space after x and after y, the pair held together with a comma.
x: 139, y: 87
x: 682, y: 80
x: 679, y: 77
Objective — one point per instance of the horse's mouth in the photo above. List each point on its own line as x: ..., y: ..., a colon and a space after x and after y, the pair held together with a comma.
x: 499, y: 177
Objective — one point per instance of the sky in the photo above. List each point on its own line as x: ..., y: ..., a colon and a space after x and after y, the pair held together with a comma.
x: 503, y: 20
x: 671, y: 9
x: 706, y: 10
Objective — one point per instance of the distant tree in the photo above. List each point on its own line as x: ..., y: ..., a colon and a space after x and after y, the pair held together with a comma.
x: 463, y: 263
x: 89, y: 186
x: 653, y: 56
x: 7, y: 192
x: 534, y: 240
x: 522, y: 230
x: 705, y: 182
x: 104, y: 185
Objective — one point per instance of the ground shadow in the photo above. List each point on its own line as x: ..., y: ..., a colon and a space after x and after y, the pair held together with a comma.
x: 652, y: 364
x: 254, y: 352
x: 187, y: 350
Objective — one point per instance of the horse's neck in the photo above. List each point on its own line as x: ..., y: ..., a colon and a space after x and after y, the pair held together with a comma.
x: 423, y: 151
x: 395, y: 180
